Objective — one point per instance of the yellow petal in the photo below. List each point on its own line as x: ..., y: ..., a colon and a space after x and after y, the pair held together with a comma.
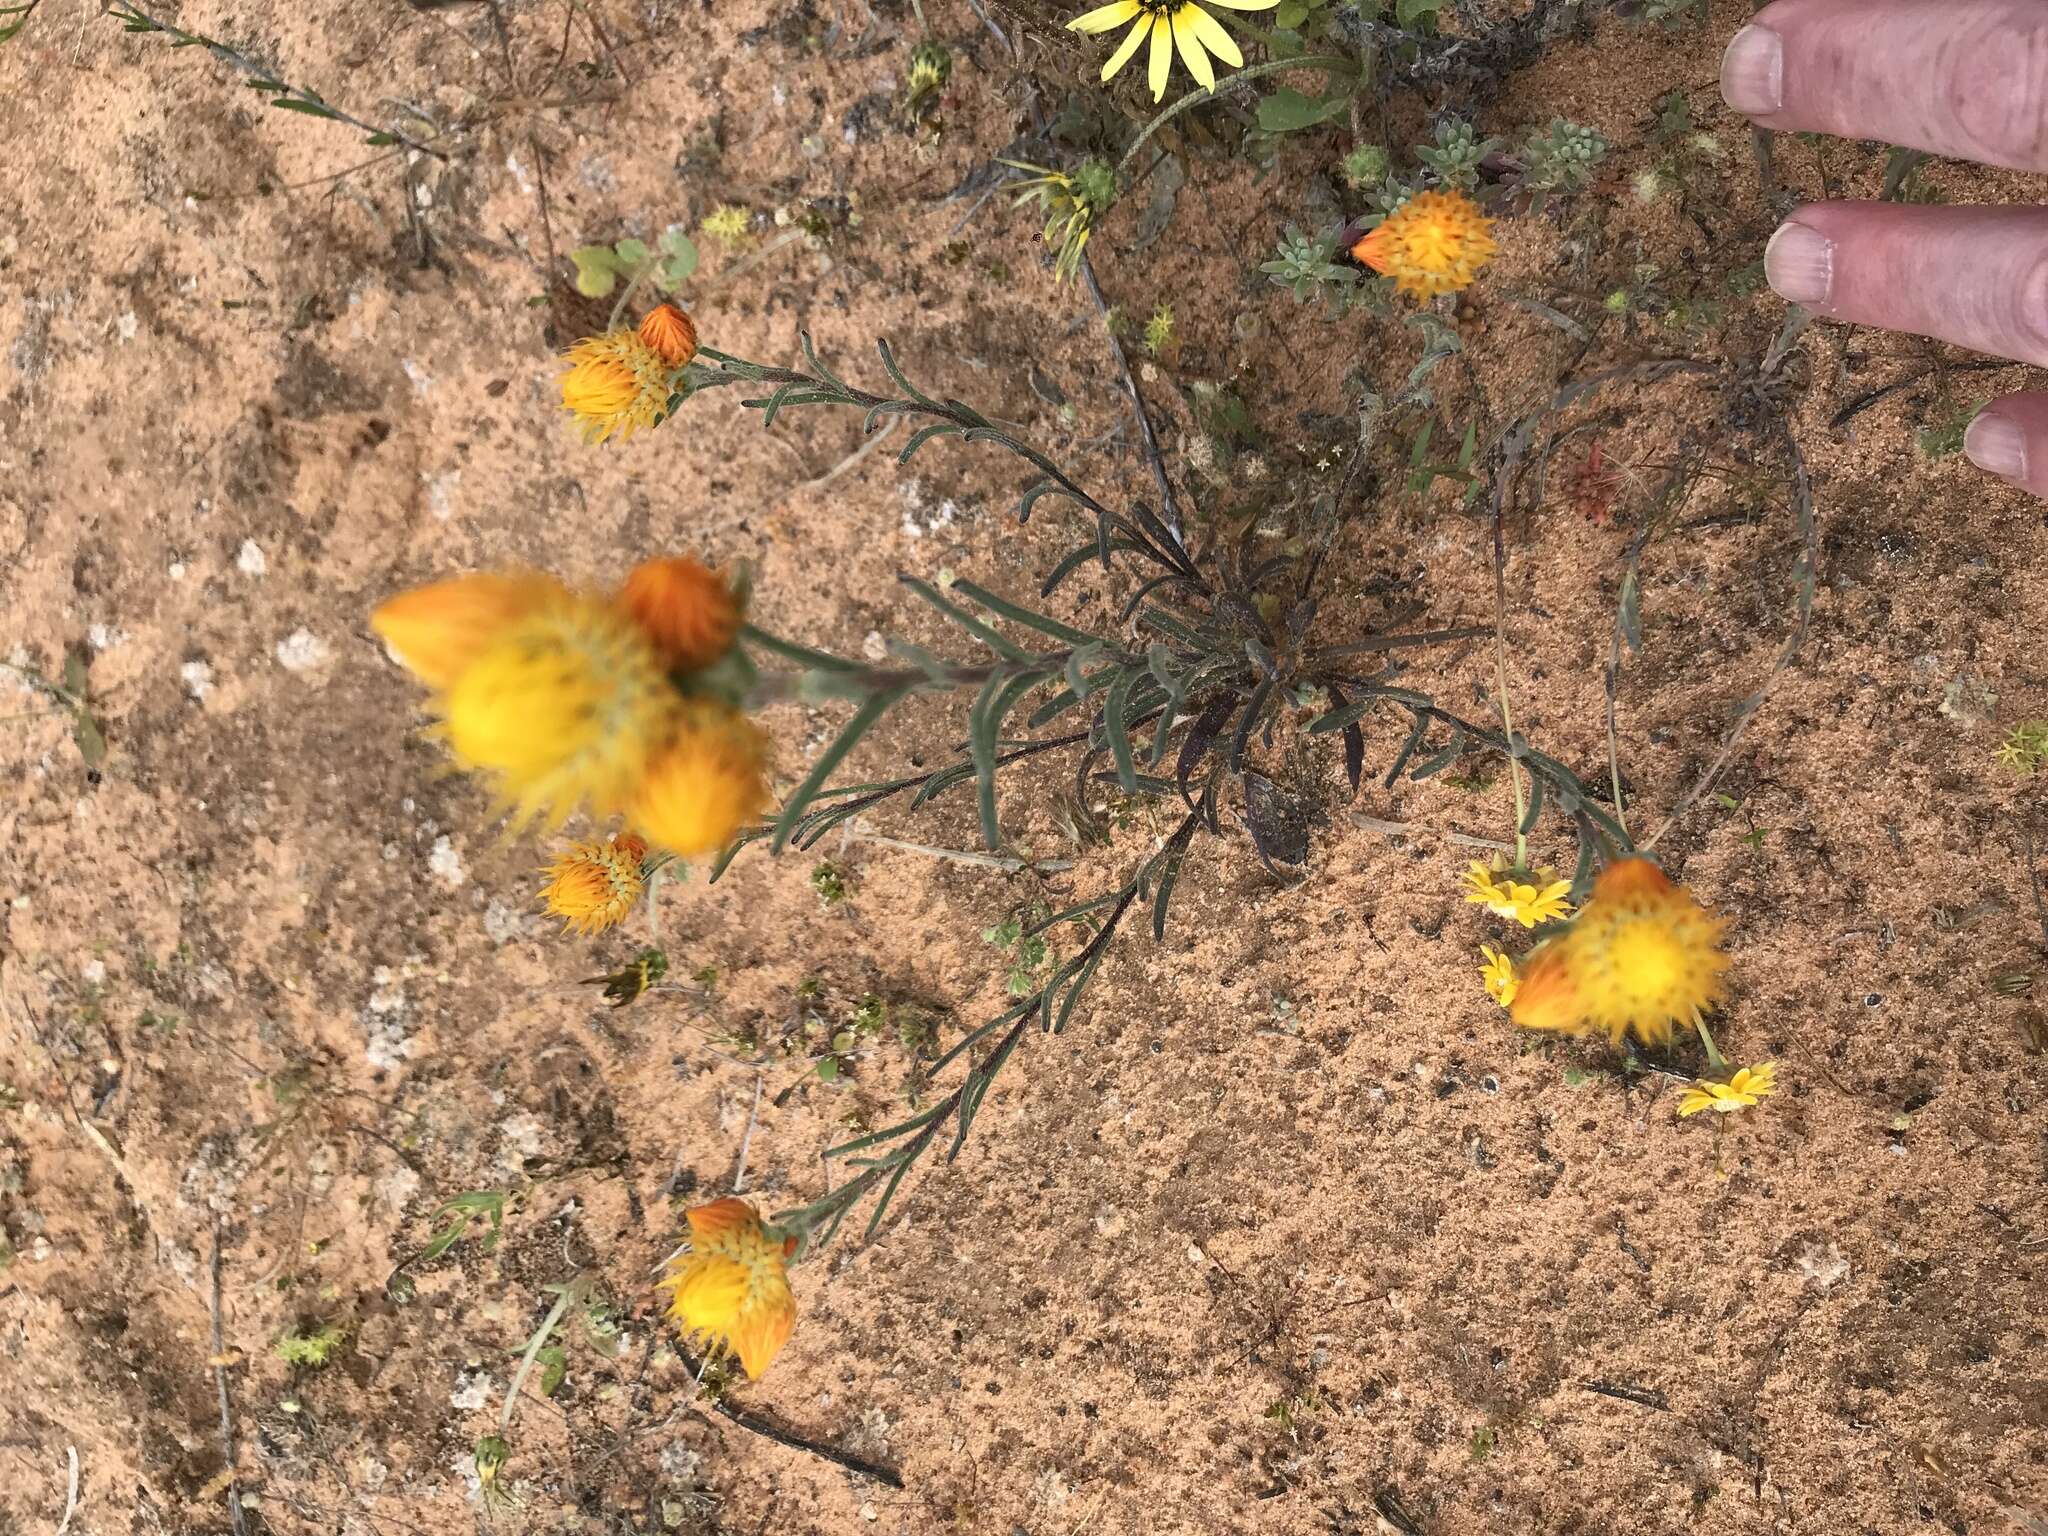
x: 1125, y: 49
x: 709, y: 1292
x: 1209, y: 32
x: 1161, y: 62
x: 1191, y: 53
x: 1115, y: 14
x: 1244, y: 5
x: 761, y: 1331
x: 1693, y: 1102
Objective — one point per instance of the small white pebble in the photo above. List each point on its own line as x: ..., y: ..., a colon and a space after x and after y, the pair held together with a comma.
x: 95, y: 973
x: 250, y: 562
x: 301, y: 651
x: 197, y: 677
x: 177, y: 571
x: 125, y: 326
x: 446, y: 864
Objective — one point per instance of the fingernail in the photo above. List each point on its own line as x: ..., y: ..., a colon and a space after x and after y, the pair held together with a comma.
x: 1753, y: 72
x: 1799, y: 264
x: 1997, y: 446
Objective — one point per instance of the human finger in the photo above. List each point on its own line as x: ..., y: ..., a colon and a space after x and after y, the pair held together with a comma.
x: 2010, y: 439
x: 1964, y: 78
x: 1975, y: 276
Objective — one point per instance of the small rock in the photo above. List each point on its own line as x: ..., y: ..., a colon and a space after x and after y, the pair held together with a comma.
x: 250, y: 561
x: 301, y: 651
x: 197, y: 677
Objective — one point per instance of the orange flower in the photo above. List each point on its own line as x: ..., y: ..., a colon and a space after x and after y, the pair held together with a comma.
x: 705, y: 784
x: 594, y: 885
x: 731, y: 1284
x: 437, y: 631
x: 1434, y: 243
x: 686, y: 609
x: 615, y: 383
x: 1642, y: 955
x: 671, y: 333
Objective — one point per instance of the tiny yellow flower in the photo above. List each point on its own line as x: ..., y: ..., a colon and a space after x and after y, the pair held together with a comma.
x: 1642, y: 955
x: 436, y: 631
x: 684, y: 607
x: 1169, y: 24
x: 616, y: 383
x: 1525, y: 904
x: 594, y: 885
x: 1739, y: 1092
x: 731, y: 1284
x: 705, y: 784
x: 1499, y: 975
x: 566, y: 708
x: 1434, y: 243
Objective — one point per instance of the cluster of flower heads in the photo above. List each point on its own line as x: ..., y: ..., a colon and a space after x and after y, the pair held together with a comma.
x: 628, y: 378
x: 1641, y: 958
x: 568, y: 701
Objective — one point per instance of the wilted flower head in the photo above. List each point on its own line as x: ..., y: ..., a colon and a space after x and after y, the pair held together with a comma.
x: 685, y: 609
x: 437, y: 631
x: 592, y: 886
x: 1739, y: 1092
x: 1434, y: 243
x: 1641, y: 955
x: 705, y: 783
x: 564, y: 708
x: 731, y: 1284
x: 617, y: 383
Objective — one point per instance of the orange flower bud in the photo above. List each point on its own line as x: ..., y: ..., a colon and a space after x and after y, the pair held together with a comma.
x: 684, y: 608
x: 671, y: 333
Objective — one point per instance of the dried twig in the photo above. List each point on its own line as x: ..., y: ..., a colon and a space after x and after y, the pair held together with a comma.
x: 768, y: 1429
x: 70, y: 1492
x: 858, y: 832
x: 227, y: 1413
x: 739, y: 1172
x: 1642, y: 1397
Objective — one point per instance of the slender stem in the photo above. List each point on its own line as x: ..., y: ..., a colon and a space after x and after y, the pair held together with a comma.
x: 534, y: 1345
x: 1328, y: 63
x: 1507, y: 723
x: 1715, y: 1061
x: 626, y: 298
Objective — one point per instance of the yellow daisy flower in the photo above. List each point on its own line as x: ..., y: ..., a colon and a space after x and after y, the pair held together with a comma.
x: 594, y: 885
x: 1499, y: 975
x: 1170, y: 24
x: 1434, y: 243
x: 619, y: 382
x: 565, y: 708
x: 1642, y: 955
x: 1739, y: 1092
x: 705, y: 783
x: 1525, y: 904
x: 731, y: 1284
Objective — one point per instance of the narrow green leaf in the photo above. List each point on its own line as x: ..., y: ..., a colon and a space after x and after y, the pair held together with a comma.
x: 993, y: 639
x: 863, y: 721
x: 1437, y: 762
x: 1024, y: 616
x: 1528, y: 823
x: 1118, y: 731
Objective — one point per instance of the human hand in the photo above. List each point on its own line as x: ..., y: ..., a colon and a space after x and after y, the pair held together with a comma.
x: 1961, y: 78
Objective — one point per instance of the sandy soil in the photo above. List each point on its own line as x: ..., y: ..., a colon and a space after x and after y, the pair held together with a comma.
x: 1289, y: 1231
